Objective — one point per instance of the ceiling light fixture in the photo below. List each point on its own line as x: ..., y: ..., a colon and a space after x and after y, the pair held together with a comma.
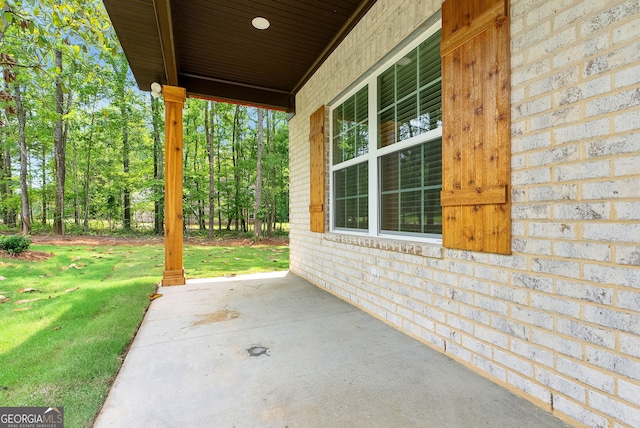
x: 260, y: 23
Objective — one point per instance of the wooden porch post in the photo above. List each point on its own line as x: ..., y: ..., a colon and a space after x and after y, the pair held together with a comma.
x: 174, y: 98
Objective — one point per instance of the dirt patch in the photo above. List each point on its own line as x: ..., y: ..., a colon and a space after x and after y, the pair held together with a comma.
x: 29, y: 255
x: 153, y: 240
x: 119, y: 240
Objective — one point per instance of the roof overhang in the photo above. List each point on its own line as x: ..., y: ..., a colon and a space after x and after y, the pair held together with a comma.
x: 210, y: 48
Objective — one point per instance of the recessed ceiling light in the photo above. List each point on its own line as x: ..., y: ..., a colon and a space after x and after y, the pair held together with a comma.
x: 260, y: 23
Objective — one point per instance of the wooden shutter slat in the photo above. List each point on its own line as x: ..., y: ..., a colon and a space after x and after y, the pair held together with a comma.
x: 492, y: 195
x: 485, y: 20
x: 316, y: 172
x: 476, y: 125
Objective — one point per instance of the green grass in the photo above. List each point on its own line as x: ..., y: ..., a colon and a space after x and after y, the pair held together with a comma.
x: 66, y: 348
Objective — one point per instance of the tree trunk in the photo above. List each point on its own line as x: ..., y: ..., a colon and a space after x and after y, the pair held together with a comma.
x: 87, y: 172
x: 158, y: 167
x: 44, y: 185
x: 22, y: 143
x: 209, y: 117
x: 257, y: 222
x: 126, y: 192
x: 59, y: 150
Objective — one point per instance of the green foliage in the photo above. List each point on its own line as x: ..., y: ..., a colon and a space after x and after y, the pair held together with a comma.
x: 84, y: 312
x: 15, y: 245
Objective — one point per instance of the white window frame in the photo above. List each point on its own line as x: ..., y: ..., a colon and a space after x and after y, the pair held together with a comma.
x: 374, y: 153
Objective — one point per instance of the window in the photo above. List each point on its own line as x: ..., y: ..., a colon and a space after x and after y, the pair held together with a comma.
x: 386, y: 179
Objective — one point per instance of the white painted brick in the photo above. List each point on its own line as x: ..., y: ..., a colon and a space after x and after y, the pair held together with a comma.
x: 587, y: 333
x: 435, y: 340
x: 555, y: 304
x: 628, y: 255
x: 424, y: 322
x: 557, y: 343
x: 618, y: 410
x: 510, y: 294
x: 434, y: 314
x: 630, y: 344
x: 552, y: 230
x: 531, y: 352
x: 535, y: 318
x: 627, y: 121
x: 612, y: 232
x: 558, y: 80
x: 512, y: 328
x: 582, y: 291
x: 628, y: 165
x: 613, y: 362
x: 626, y: 277
x: 492, y: 336
x: 531, y: 142
x: 587, y: 251
x: 459, y: 324
x: 581, y: 372
x: 574, y: 13
x: 476, y: 315
x: 629, y: 391
x: 535, y: 211
x: 488, y: 367
x: 533, y: 282
x: 578, y: 412
x: 629, y: 300
x: 556, y: 267
x: 460, y: 296
x: 492, y: 305
x: 553, y: 193
x: 582, y: 211
x: 614, y: 146
x: 554, y: 155
x: 609, y: 17
x: 561, y: 384
x: 627, y: 76
x: 582, y: 171
x: 538, y: 247
x: 492, y: 274
x: 451, y: 336
x: 612, y: 103
x: 477, y: 346
x: 514, y: 363
x: 531, y: 388
x: 611, y: 318
x: 475, y: 285
x: 459, y: 352
x: 581, y: 131
x: 628, y: 210
x: 531, y: 176
x: 612, y: 60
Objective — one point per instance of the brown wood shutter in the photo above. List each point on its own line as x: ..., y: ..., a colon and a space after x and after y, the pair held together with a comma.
x: 476, y: 147
x: 316, y: 139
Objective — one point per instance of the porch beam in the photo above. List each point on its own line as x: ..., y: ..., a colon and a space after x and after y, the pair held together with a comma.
x: 174, y: 98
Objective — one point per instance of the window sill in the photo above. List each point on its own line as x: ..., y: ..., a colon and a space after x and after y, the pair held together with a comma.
x: 435, y: 251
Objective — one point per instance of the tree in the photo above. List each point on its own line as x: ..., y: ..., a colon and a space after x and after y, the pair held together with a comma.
x: 257, y: 225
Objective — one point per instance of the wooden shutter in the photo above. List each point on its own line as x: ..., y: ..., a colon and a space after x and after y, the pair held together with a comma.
x: 476, y: 147
x: 317, y: 199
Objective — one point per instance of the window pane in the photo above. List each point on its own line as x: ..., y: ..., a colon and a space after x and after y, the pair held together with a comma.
x: 409, y: 94
x: 351, y: 127
x: 351, y: 187
x: 411, y: 181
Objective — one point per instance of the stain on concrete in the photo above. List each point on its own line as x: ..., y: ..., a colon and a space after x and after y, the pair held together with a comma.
x: 257, y: 350
x: 218, y: 316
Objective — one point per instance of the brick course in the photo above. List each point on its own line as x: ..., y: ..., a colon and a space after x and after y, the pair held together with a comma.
x: 558, y: 322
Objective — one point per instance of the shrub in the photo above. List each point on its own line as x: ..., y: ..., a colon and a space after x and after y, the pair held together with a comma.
x: 15, y: 244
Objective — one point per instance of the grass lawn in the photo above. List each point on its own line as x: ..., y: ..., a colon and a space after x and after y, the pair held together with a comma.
x: 62, y: 344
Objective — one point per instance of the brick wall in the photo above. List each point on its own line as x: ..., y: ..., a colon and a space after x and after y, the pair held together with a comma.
x: 558, y: 322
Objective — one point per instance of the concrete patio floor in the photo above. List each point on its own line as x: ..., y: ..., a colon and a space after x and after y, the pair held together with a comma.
x: 196, y: 362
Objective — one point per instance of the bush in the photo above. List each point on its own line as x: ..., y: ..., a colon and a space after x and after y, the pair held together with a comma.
x: 14, y: 245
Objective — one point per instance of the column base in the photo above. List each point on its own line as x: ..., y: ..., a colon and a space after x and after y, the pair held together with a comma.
x: 173, y: 277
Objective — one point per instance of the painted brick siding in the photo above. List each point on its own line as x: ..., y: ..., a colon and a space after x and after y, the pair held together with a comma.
x: 558, y: 322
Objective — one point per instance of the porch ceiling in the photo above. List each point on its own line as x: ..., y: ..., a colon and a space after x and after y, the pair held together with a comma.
x: 210, y: 47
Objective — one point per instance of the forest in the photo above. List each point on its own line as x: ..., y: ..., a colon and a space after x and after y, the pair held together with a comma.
x: 81, y: 147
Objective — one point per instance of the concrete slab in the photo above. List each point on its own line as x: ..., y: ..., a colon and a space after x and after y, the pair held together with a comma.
x: 197, y: 362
